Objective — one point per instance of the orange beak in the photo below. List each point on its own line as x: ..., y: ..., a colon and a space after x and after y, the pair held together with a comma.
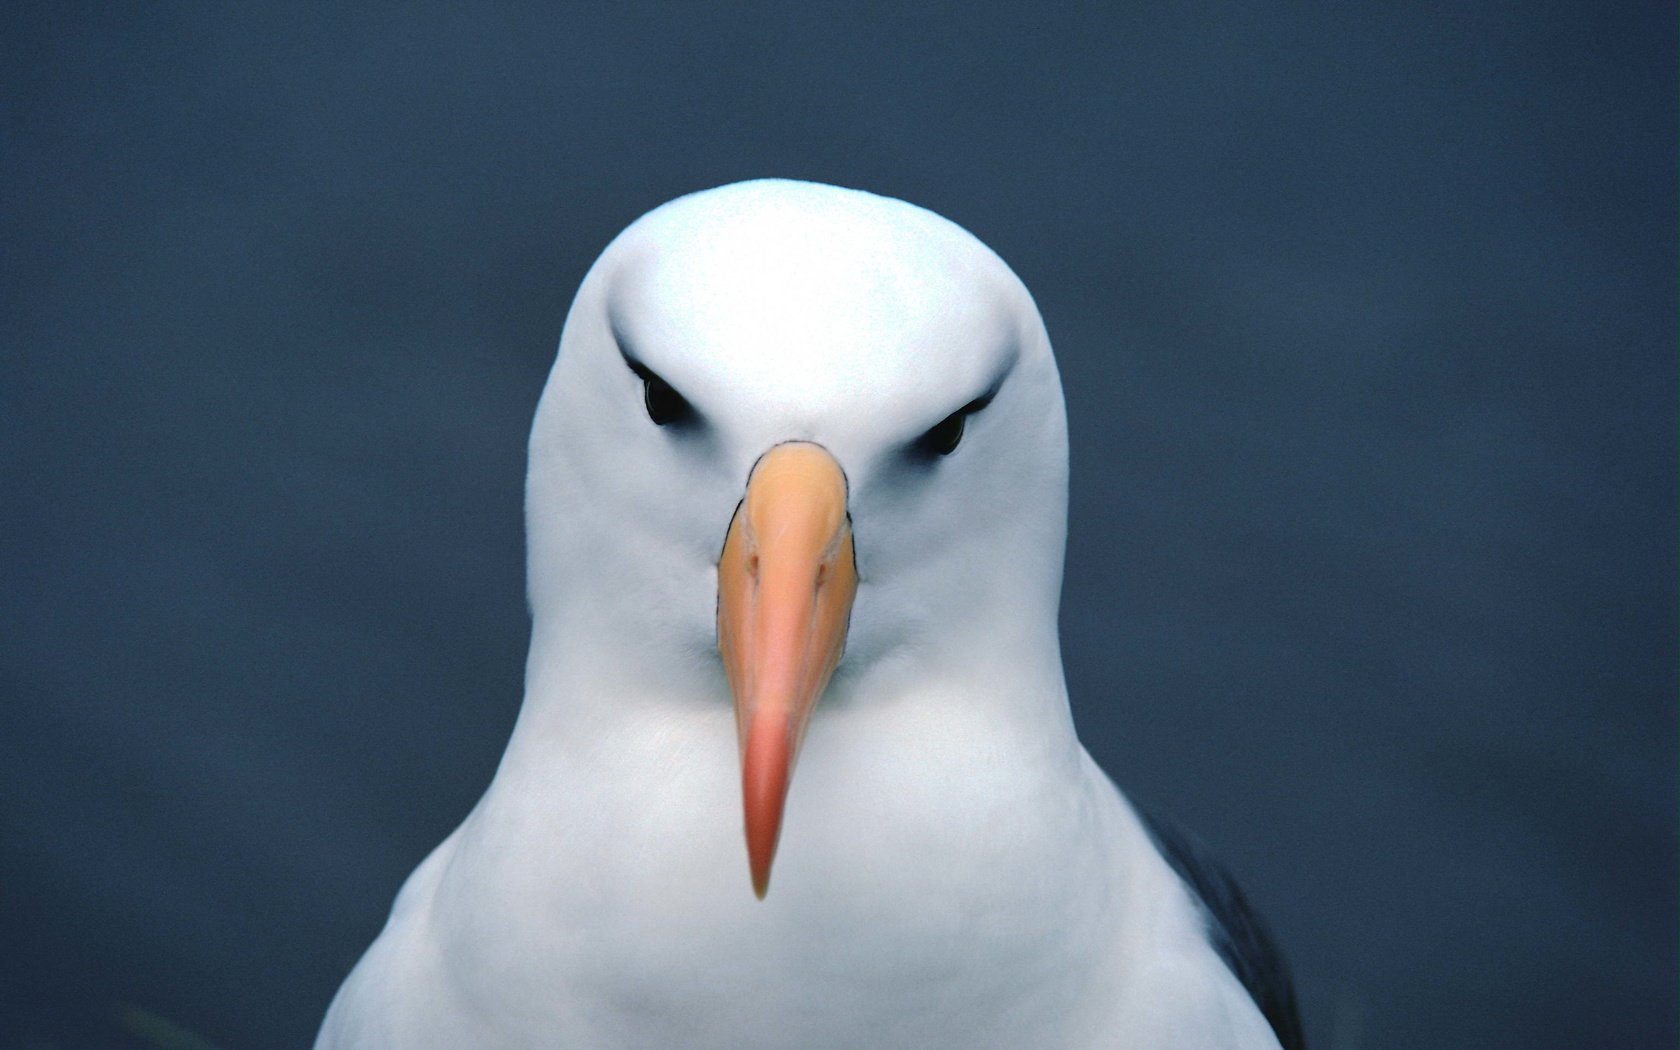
x: 786, y: 580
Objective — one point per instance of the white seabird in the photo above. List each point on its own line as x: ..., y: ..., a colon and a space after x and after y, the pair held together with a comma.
x: 797, y: 489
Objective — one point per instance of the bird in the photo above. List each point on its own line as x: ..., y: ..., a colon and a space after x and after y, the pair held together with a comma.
x: 795, y: 765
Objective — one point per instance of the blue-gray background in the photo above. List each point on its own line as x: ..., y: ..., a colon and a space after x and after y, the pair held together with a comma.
x: 1366, y: 317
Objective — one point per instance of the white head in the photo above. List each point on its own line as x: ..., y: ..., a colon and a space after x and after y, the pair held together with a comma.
x: 730, y: 322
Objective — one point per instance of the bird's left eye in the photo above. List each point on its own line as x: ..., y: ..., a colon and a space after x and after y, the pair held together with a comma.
x: 943, y: 437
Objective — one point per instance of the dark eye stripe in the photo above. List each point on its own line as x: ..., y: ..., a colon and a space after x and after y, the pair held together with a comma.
x: 664, y: 405
x: 944, y: 437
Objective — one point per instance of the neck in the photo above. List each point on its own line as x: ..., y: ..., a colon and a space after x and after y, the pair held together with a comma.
x: 942, y: 816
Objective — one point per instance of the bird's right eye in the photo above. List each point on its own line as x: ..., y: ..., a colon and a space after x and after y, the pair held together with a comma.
x: 664, y: 405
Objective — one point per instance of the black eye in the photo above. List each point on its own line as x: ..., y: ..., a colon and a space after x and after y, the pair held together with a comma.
x: 945, y: 436
x: 664, y: 405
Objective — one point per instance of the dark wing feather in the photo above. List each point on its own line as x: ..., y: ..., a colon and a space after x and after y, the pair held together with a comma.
x: 1241, y: 939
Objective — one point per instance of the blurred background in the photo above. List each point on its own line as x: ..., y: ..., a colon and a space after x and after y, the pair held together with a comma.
x: 1366, y: 314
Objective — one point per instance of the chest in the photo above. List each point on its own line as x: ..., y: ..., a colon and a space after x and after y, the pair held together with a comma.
x: 978, y: 917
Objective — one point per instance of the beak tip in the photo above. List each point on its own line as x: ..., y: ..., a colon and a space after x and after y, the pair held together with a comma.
x: 765, y: 769
x: 761, y: 854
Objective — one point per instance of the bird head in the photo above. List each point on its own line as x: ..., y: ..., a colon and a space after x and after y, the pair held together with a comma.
x: 796, y: 439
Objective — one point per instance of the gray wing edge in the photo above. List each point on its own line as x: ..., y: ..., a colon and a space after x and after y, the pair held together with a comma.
x: 1237, y: 933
